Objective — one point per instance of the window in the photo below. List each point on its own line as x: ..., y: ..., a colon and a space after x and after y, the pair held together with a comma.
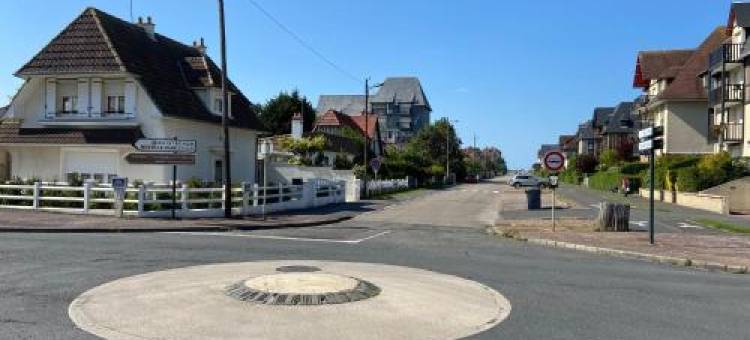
x: 115, y: 104
x: 218, y: 107
x: 218, y: 171
x: 69, y: 104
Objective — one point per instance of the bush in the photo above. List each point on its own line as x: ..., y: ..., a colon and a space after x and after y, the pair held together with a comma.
x: 689, y: 180
x: 608, y: 159
x: 586, y: 164
x: 605, y: 180
x: 634, y: 168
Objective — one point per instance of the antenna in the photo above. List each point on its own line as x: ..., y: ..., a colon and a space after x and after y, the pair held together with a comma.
x: 131, y: 10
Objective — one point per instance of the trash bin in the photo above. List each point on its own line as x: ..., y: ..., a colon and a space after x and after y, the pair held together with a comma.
x: 534, y: 198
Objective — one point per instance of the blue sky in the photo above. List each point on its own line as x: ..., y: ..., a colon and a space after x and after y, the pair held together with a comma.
x: 515, y: 73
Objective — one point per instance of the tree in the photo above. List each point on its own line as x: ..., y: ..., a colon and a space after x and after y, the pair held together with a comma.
x: 586, y: 164
x: 426, y: 151
x: 305, y: 149
x: 276, y: 114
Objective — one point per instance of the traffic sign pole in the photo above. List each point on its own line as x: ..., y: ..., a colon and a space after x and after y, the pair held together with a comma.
x: 554, y: 161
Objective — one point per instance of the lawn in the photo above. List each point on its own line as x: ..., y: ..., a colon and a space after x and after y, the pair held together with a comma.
x: 729, y: 227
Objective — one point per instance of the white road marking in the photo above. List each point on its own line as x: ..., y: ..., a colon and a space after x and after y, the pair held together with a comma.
x: 597, y: 206
x: 641, y: 224
x: 495, y: 192
x: 286, y: 238
x: 686, y: 225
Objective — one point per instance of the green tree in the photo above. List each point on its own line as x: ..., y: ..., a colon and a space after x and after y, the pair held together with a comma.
x: 276, y: 114
x: 307, y: 150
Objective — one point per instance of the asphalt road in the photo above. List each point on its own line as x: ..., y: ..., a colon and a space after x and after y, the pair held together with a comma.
x: 554, y: 294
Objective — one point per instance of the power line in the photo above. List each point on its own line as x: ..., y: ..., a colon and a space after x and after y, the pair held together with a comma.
x: 303, y: 42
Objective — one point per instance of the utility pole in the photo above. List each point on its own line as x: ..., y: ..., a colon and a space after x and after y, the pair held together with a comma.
x: 225, y: 115
x: 364, y: 158
x: 651, y: 170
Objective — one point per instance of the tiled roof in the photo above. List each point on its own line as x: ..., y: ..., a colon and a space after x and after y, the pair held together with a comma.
x: 741, y: 13
x: 372, y: 124
x: 687, y: 85
x: 401, y: 90
x: 96, y: 43
x: 3, y: 110
x: 335, y: 118
x: 586, y: 131
x: 602, y: 116
x: 11, y: 132
x: 622, y: 112
x: 347, y: 104
x: 547, y: 148
x: 567, y: 142
x: 651, y: 64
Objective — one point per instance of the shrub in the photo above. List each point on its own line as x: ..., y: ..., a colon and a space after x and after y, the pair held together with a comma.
x: 689, y: 180
x: 586, y: 164
x: 608, y: 158
x: 634, y: 168
x: 605, y: 180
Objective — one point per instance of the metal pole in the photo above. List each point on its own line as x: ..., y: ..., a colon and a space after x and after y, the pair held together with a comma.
x: 225, y: 115
x: 651, y: 195
x: 447, y: 151
x: 553, y: 209
x: 174, y: 190
x: 265, y: 184
x: 364, y: 158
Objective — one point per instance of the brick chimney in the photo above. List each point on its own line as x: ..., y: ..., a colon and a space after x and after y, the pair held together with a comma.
x: 201, y: 47
x: 148, y: 26
x: 297, y: 125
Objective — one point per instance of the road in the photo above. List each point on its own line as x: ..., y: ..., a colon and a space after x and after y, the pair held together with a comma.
x: 554, y: 294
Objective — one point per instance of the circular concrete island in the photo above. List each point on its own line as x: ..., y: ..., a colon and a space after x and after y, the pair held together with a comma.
x: 289, y: 300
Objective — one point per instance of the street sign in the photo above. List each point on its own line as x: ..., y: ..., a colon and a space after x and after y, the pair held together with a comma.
x: 553, y: 181
x: 651, y: 132
x: 119, y: 183
x: 165, y: 145
x: 375, y: 164
x: 650, y: 144
x: 554, y: 161
x: 160, y: 158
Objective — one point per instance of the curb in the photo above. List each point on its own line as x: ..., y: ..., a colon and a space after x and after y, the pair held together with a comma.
x: 197, y: 228
x: 674, y: 261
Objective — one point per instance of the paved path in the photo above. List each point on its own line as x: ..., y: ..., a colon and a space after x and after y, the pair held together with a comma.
x: 555, y: 294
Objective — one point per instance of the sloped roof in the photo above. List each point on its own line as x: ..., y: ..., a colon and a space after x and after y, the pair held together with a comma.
x: 602, y: 116
x: 11, y: 132
x: 372, y: 124
x: 547, y: 148
x: 740, y: 12
x: 347, y: 104
x: 586, y: 131
x: 401, y: 90
x: 687, y: 84
x: 335, y: 118
x: 622, y: 112
x: 653, y: 64
x: 96, y: 42
x: 3, y: 110
x: 567, y: 142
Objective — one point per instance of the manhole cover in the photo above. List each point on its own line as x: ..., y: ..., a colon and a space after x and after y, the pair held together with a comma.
x: 302, y: 289
x: 297, y: 269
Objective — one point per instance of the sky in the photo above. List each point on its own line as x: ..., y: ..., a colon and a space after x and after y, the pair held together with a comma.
x: 515, y: 74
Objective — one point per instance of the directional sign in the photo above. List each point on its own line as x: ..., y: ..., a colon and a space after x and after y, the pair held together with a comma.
x: 651, y: 132
x: 160, y: 158
x: 165, y: 145
x: 651, y: 144
x: 554, y: 161
x: 375, y: 164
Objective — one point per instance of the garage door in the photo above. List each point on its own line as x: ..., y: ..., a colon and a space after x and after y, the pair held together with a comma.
x: 97, y: 165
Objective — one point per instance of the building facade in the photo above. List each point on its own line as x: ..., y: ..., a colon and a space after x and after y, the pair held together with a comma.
x: 101, y: 84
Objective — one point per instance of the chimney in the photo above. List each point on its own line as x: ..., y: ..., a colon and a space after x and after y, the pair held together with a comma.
x: 147, y: 26
x: 201, y: 47
x: 297, y: 125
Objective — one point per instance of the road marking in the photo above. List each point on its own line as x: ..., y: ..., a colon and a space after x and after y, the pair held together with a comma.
x: 641, y: 224
x: 495, y: 192
x: 686, y: 225
x: 287, y: 238
x: 597, y: 206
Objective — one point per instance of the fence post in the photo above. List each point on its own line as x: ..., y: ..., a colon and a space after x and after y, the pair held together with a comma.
x: 37, y: 191
x: 141, y: 199
x: 256, y: 190
x: 86, y: 197
x: 223, y: 196
x: 185, y: 199
x: 308, y: 194
x: 245, y: 198
x: 281, y: 193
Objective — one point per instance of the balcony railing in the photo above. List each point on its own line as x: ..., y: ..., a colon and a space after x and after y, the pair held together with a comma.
x: 732, y: 93
x: 726, y: 53
x: 731, y: 131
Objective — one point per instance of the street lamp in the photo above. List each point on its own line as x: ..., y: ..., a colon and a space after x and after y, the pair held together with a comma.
x: 367, y: 137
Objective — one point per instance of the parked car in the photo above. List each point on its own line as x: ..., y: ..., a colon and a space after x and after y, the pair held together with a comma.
x: 471, y: 179
x: 518, y: 181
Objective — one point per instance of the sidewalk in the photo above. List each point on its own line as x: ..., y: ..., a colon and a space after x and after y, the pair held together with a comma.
x: 714, y: 251
x: 47, y: 222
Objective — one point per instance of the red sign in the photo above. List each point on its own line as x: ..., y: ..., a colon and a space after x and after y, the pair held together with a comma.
x: 554, y: 161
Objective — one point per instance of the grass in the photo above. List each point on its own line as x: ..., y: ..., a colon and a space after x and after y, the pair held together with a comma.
x: 729, y: 227
x: 398, y: 195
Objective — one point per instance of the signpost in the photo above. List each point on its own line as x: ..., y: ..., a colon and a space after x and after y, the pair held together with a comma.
x: 554, y: 161
x: 119, y: 185
x: 164, y: 151
x: 375, y: 164
x: 650, y: 141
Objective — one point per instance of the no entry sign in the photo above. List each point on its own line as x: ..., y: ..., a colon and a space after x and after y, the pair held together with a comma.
x: 554, y: 161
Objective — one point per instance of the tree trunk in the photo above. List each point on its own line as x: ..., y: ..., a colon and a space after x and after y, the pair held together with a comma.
x: 614, y: 217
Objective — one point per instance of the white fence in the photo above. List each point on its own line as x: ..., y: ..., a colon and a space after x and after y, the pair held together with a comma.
x: 156, y: 200
x: 387, y: 186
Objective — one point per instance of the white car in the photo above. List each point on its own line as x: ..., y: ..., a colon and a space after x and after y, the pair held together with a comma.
x: 518, y: 181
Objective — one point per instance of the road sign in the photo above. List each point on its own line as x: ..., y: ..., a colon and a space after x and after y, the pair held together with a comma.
x: 165, y: 145
x: 553, y: 181
x: 375, y: 164
x: 160, y: 158
x: 119, y: 183
x: 651, y: 132
x: 554, y: 160
x: 651, y: 144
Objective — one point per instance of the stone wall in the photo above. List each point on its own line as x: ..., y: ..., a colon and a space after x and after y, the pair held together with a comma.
x: 713, y: 203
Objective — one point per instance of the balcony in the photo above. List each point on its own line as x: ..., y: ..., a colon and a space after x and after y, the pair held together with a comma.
x: 732, y: 93
x: 732, y: 132
x: 726, y: 53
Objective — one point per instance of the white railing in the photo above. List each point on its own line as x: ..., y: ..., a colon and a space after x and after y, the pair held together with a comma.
x: 387, y: 186
x: 157, y: 200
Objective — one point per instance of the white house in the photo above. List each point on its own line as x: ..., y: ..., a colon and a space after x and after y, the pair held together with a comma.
x: 102, y: 83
